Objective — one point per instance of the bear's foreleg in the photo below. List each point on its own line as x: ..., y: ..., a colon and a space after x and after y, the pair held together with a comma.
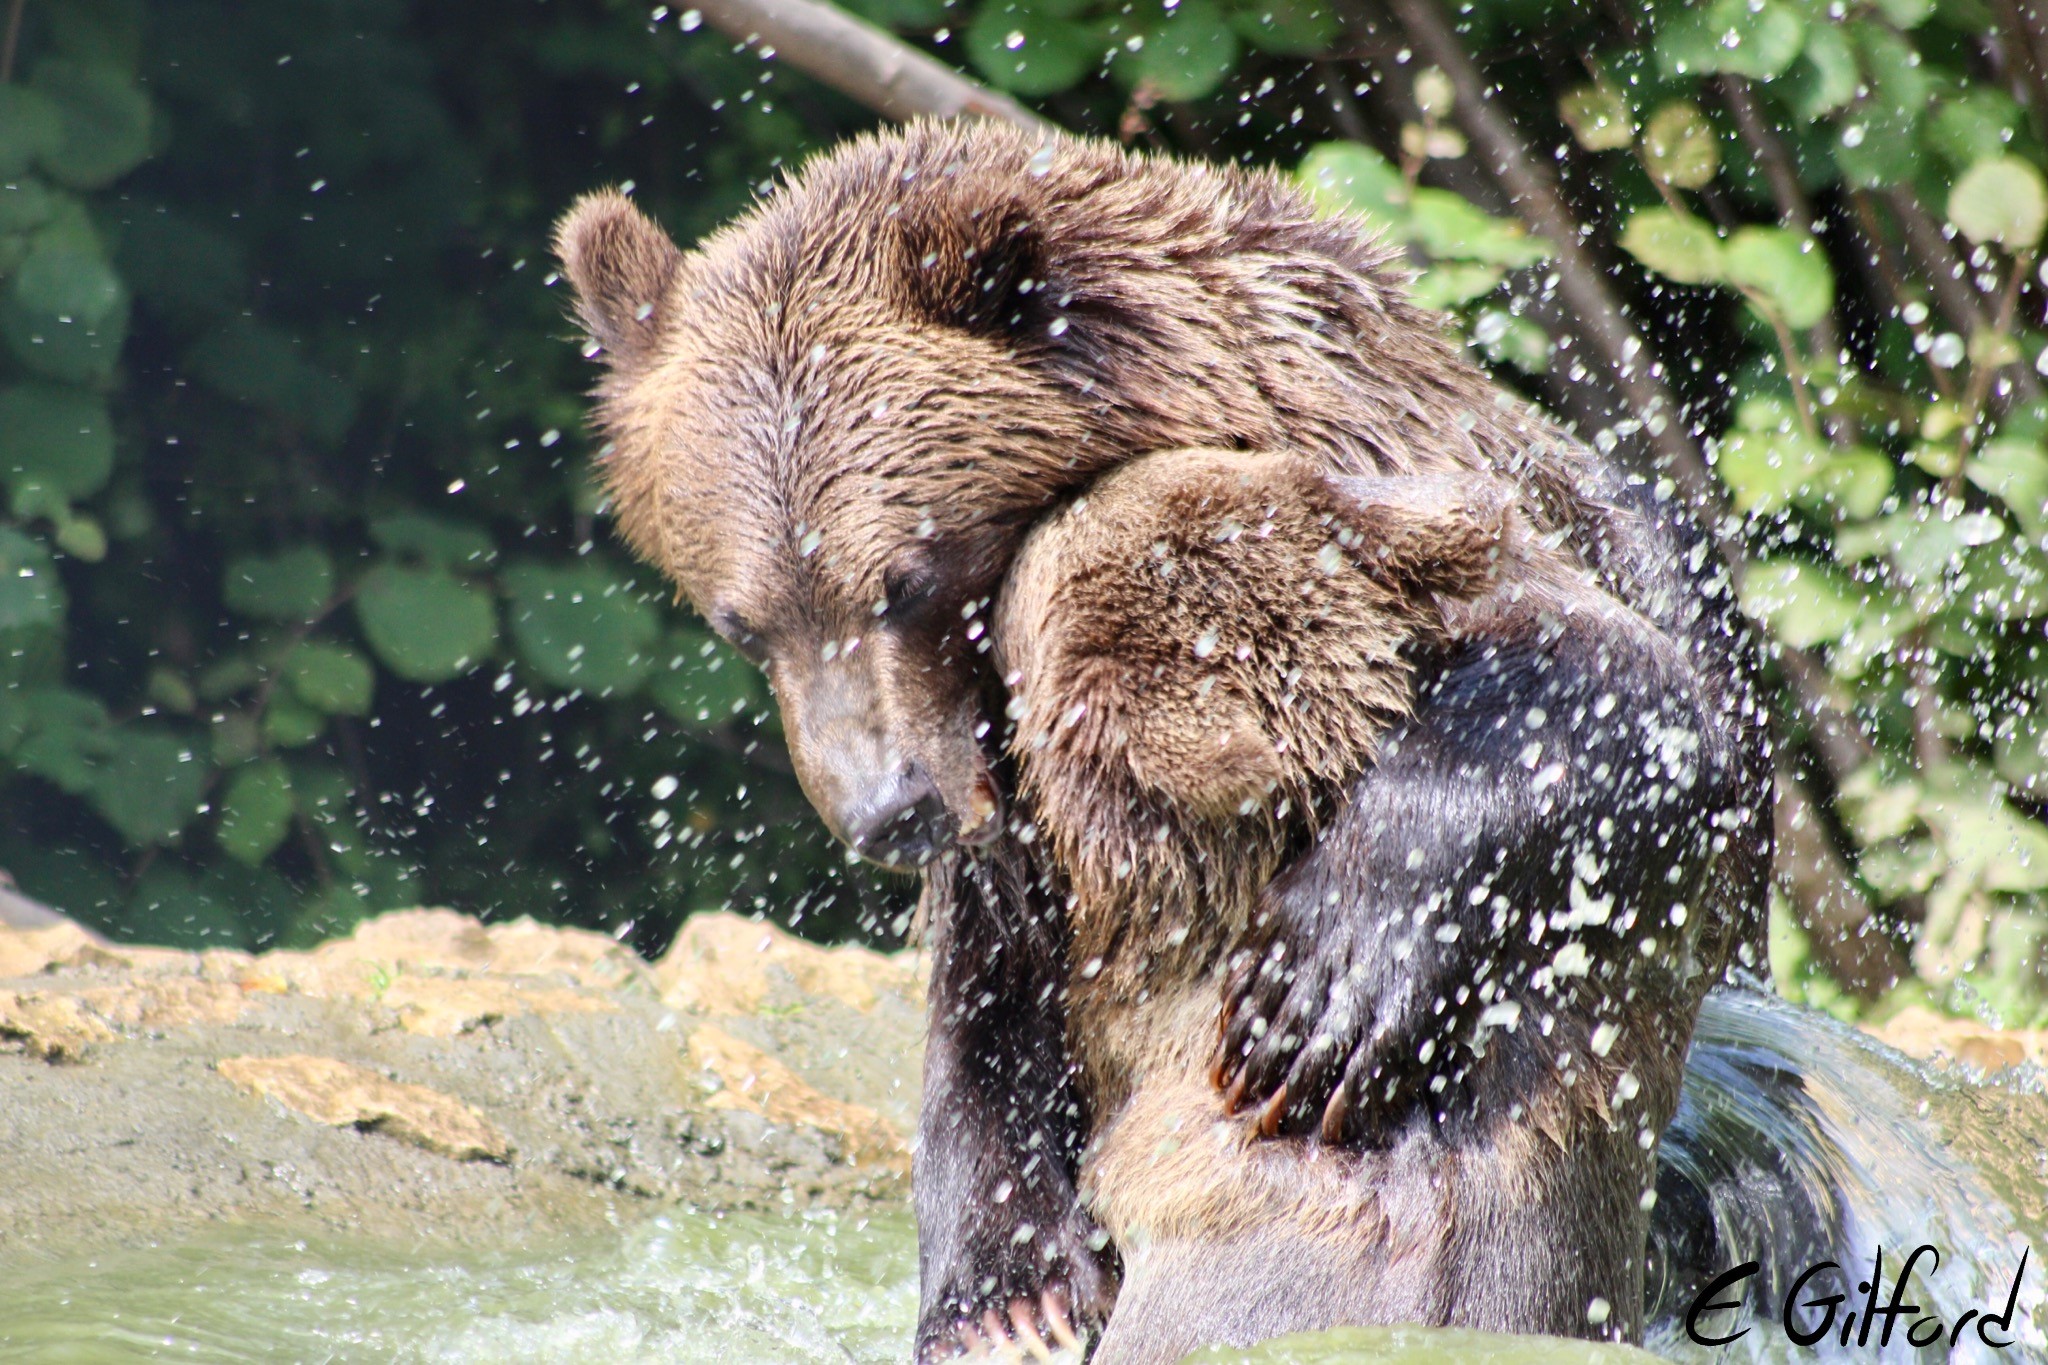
x: 1496, y: 936
x: 1006, y: 1255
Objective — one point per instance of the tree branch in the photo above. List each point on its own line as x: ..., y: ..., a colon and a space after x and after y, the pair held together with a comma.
x: 863, y: 62
x: 1835, y: 914
x: 1947, y: 275
x: 1795, y: 210
x: 2021, y: 35
x: 10, y: 43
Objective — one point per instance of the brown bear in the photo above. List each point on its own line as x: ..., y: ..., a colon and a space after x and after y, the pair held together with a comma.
x: 835, y: 424
x: 1204, y: 652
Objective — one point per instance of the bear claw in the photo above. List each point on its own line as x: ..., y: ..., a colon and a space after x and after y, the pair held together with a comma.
x: 1022, y: 1335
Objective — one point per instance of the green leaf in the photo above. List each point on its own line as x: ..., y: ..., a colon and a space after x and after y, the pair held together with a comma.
x: 1875, y: 148
x: 1767, y: 470
x: 1452, y: 283
x: 1288, y: 28
x: 57, y: 436
x: 104, y: 119
x: 1906, y: 13
x: 1678, y: 247
x: 1029, y: 51
x: 1680, y: 147
x: 2002, y: 200
x: 255, y: 812
x: 2016, y: 473
x: 1805, y: 604
x: 1349, y: 177
x: 1788, y: 268
x: 59, y: 283
x: 1757, y: 39
x: 581, y: 626
x: 331, y: 678
x: 426, y: 624
x: 1185, y: 54
x: 148, y: 786
x: 2021, y: 750
x: 1981, y: 832
x: 30, y: 131
x: 1857, y: 481
x: 81, y: 537
x: 1598, y: 116
x: 1903, y: 81
x: 1512, y: 340
x: 288, y: 725
x: 2005, y: 581
x: 434, y: 540
x: 291, y: 585
x: 64, y: 313
x: 705, y: 682
x: 30, y: 593
x: 65, y: 734
x: 1825, y: 78
x: 1449, y: 226
x: 25, y: 203
x: 1924, y: 548
x: 1876, y: 810
x: 1978, y: 124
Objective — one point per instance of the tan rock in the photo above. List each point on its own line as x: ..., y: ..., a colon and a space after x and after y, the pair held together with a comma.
x: 751, y: 1080
x: 1920, y: 1032
x: 166, y: 1002
x: 53, y: 1026
x: 443, y: 1007
x: 525, y: 947
x: 727, y: 964
x: 27, y: 952
x: 424, y: 940
x: 336, y: 1093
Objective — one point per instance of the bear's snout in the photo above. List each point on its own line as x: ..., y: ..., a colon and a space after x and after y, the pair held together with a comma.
x: 900, y: 821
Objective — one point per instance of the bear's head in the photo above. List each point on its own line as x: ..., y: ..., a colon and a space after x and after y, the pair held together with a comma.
x: 833, y: 422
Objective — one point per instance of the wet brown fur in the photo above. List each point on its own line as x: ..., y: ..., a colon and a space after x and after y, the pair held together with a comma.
x: 1203, y: 652
x: 896, y: 365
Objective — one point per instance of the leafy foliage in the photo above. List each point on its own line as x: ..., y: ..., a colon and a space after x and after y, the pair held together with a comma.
x: 306, y: 604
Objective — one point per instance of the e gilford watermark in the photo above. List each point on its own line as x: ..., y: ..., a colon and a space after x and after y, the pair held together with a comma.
x: 1818, y: 1305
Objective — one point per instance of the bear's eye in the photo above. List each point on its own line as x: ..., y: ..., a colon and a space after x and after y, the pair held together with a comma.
x: 906, y: 592
x: 741, y: 637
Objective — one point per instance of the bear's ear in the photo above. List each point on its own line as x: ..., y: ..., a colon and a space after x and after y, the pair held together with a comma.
x: 981, y: 268
x: 622, y: 268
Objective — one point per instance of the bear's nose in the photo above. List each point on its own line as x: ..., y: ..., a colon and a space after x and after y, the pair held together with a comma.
x: 901, y: 823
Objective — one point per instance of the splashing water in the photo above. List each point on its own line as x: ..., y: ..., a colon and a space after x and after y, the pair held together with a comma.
x: 817, y: 1287
x: 1842, y: 1146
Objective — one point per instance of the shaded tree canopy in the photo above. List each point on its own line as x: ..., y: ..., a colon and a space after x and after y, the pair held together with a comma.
x: 307, y: 602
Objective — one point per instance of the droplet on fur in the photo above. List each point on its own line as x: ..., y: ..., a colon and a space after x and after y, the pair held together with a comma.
x: 1058, y: 327
x: 1205, y: 643
x: 1598, y: 1310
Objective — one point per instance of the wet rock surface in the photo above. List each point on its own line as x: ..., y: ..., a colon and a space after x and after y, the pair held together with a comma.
x: 435, y: 1078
